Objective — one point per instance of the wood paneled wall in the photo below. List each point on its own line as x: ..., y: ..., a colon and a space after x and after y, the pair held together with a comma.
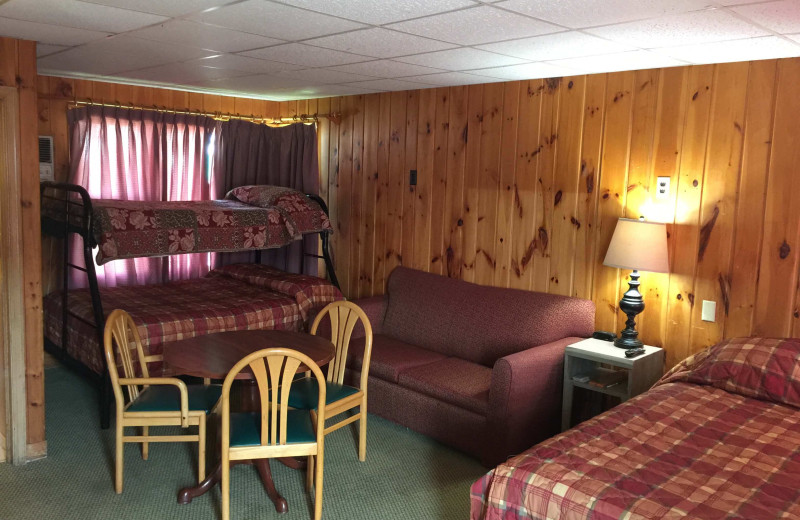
x: 18, y: 69
x: 520, y: 184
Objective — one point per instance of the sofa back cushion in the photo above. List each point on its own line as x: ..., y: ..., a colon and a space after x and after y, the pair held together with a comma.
x: 478, y: 323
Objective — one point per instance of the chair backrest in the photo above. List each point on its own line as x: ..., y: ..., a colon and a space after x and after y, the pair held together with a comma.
x: 344, y: 316
x: 274, y: 370
x: 121, y: 330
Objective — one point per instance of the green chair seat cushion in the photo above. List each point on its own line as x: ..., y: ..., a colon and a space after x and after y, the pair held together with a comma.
x: 167, y: 398
x: 246, y: 428
x: 304, y: 393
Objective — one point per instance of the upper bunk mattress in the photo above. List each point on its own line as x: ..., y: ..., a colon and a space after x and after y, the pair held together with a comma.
x: 133, y: 229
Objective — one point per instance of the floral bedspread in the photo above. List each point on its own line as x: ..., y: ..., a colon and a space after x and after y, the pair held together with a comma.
x: 132, y: 229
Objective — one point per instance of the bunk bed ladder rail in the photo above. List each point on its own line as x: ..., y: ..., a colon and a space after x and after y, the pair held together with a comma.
x: 325, y: 236
x: 63, y: 216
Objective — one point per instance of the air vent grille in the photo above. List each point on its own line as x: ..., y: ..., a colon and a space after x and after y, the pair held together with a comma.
x: 45, y: 149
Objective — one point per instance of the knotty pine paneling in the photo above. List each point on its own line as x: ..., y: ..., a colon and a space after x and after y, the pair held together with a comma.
x: 18, y: 69
x: 520, y: 184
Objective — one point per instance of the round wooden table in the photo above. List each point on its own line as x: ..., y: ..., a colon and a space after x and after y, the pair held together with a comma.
x: 212, y: 356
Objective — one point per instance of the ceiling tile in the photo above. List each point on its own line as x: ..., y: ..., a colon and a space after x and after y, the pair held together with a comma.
x: 323, y: 76
x: 178, y: 73
x: 739, y: 2
x: 697, y: 27
x: 243, y: 63
x: 329, y: 90
x: 446, y: 79
x: 258, y: 83
x: 781, y: 17
x: 392, y: 84
x: 46, y: 33
x: 93, y: 60
x: 154, y: 53
x: 632, y: 60
x: 737, y: 50
x: 81, y: 15
x: 166, y: 8
x: 386, y: 69
x: 307, y: 55
x: 275, y: 20
x: 461, y: 59
x: 475, y: 26
x: 379, y: 13
x: 43, y: 49
x: 527, y: 71
x: 589, y: 13
x: 556, y: 46
x: 204, y: 36
x: 379, y: 43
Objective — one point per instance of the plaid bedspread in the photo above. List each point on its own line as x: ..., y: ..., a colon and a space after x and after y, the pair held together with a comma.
x: 677, y: 451
x: 307, y: 291
x: 179, y: 310
x: 132, y: 229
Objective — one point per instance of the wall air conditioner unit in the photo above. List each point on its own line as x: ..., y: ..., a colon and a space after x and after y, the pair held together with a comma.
x: 46, y: 160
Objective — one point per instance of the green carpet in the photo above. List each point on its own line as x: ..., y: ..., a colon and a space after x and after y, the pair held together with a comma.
x: 405, y: 476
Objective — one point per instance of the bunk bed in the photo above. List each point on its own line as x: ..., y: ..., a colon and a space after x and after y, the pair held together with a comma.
x: 232, y: 297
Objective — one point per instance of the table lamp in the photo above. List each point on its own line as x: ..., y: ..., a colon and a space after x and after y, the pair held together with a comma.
x: 636, y: 245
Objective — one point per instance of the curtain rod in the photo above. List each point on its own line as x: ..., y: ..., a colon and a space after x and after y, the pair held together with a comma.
x: 334, y: 117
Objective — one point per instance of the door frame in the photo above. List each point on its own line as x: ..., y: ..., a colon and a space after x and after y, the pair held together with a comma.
x: 12, y: 301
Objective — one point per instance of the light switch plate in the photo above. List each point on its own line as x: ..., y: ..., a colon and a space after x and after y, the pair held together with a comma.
x: 709, y: 311
x: 662, y: 188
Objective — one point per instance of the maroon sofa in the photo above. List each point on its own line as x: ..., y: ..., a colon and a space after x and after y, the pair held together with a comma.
x: 478, y: 368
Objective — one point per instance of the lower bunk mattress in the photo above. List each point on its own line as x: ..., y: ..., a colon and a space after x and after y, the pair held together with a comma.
x: 234, y: 297
x: 680, y: 450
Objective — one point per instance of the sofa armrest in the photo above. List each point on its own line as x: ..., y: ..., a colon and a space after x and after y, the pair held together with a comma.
x: 375, y: 309
x: 525, y: 399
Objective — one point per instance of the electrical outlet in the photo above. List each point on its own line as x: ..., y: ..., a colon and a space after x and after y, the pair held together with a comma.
x: 709, y: 311
x: 412, y: 177
x: 662, y: 187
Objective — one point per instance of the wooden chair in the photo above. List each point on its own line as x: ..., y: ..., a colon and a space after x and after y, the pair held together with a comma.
x: 344, y: 316
x: 152, y: 401
x: 275, y: 431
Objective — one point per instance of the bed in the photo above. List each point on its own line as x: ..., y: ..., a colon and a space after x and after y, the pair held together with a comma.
x: 233, y: 297
x: 716, y: 437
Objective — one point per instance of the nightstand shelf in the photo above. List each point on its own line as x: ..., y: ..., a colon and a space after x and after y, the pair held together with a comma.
x: 585, y: 359
x: 619, y: 389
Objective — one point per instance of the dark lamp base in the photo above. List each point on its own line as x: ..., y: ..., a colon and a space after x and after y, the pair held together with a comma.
x: 628, y: 343
x: 631, y: 304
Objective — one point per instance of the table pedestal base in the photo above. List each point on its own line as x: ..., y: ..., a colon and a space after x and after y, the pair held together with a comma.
x: 186, y: 495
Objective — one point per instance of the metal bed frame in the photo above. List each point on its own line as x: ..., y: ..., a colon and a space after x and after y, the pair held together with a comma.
x: 67, y: 210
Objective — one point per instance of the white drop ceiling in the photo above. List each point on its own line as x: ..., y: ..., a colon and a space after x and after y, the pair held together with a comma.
x: 297, y: 49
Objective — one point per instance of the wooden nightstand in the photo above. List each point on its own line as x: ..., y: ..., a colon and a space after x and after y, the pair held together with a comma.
x: 585, y: 358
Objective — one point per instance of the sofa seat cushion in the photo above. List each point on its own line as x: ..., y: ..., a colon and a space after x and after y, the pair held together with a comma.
x: 452, y: 380
x: 390, y: 357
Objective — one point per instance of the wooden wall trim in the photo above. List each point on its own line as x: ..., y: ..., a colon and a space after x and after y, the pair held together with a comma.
x: 11, y: 283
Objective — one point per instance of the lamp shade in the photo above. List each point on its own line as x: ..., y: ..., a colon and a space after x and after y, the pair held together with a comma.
x: 637, y: 244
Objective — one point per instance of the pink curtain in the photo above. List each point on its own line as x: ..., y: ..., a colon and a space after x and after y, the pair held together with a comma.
x: 143, y: 155
x: 250, y: 153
